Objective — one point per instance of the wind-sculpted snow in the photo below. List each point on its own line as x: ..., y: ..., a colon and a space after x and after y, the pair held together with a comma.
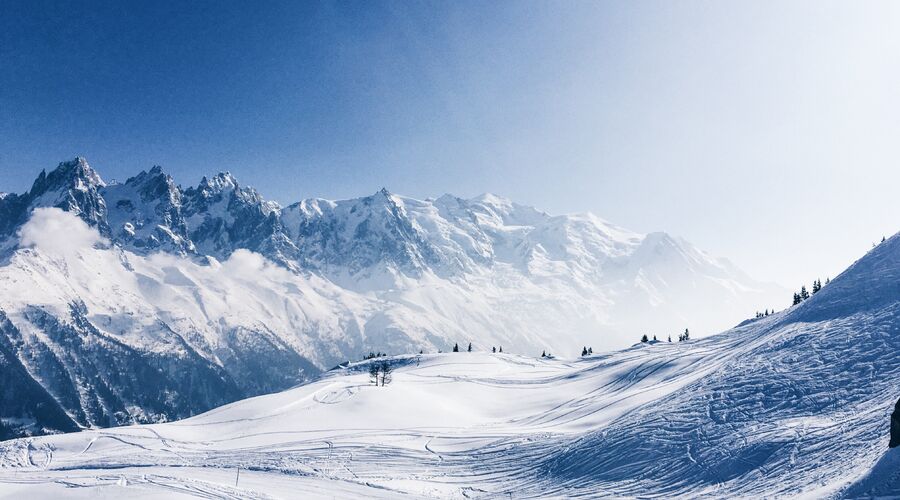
x: 780, y: 407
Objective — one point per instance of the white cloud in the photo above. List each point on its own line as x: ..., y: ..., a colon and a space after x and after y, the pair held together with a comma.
x: 57, y: 232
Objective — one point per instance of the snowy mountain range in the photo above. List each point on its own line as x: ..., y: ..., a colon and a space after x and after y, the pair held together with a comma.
x: 144, y: 301
x: 793, y: 405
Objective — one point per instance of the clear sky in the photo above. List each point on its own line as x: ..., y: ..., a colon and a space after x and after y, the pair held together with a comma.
x: 765, y: 132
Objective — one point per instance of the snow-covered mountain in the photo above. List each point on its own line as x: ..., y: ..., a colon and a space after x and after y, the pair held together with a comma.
x: 796, y: 404
x: 144, y: 301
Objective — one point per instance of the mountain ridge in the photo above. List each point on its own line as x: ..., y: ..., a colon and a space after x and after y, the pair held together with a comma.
x: 221, y: 280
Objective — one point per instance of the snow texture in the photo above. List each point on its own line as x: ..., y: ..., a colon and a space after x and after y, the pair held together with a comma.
x: 796, y: 404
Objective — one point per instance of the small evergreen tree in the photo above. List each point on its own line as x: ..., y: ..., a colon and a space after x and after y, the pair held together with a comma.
x: 470, y: 347
x: 584, y: 351
x: 493, y: 349
x: 455, y: 347
x: 687, y: 334
x: 796, y: 298
x: 543, y: 354
x: 803, y: 293
x: 817, y: 285
x: 501, y: 348
x: 670, y: 338
x: 644, y: 338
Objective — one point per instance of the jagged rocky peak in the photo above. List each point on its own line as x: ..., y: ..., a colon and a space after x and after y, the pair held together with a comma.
x: 73, y: 174
x: 155, y: 184
x: 382, y: 200
x: 74, y: 187
x: 220, y: 187
x: 222, y: 181
x: 353, y: 235
x: 222, y: 217
x: 145, y: 213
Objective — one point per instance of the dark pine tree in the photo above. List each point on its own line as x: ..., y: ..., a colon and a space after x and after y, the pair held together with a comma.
x: 803, y: 293
x: 543, y: 354
x: 455, y: 347
x: 386, y: 371
x: 493, y: 349
x: 470, y: 347
x: 644, y: 338
x: 584, y: 351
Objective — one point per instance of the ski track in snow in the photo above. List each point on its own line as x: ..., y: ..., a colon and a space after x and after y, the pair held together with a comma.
x: 796, y: 404
x: 647, y: 421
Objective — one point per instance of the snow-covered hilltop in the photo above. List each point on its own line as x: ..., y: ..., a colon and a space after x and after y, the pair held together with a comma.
x: 796, y: 404
x: 144, y: 301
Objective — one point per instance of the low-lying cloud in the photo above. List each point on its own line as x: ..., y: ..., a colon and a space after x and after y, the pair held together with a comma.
x: 57, y: 232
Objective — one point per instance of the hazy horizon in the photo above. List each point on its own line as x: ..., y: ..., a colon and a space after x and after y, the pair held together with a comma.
x: 764, y: 133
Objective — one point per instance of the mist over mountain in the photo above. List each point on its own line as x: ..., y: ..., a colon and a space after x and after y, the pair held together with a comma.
x: 144, y: 301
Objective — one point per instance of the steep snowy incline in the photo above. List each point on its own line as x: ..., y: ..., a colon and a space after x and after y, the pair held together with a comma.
x: 783, y: 406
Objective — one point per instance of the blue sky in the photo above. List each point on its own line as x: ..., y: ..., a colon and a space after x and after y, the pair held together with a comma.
x: 766, y: 132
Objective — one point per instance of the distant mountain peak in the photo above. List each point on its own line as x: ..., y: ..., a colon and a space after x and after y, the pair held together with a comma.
x: 76, y: 174
x: 219, y: 182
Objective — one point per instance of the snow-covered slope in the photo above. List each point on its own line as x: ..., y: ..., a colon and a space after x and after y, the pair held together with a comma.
x: 213, y: 293
x: 792, y: 405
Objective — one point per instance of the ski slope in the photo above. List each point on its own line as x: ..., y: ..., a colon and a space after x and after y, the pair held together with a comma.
x: 448, y: 425
x: 724, y: 416
x: 796, y: 404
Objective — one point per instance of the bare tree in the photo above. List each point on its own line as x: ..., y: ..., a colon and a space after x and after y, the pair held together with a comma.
x: 386, y: 373
x: 382, y: 371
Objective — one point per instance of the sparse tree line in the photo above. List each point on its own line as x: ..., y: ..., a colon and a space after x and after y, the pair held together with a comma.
x: 380, y: 372
x: 804, y: 294
x: 764, y: 313
x: 681, y: 338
